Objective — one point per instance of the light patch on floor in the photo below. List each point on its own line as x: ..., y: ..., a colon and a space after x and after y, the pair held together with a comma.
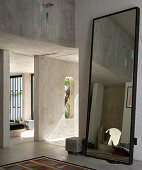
x: 27, y: 134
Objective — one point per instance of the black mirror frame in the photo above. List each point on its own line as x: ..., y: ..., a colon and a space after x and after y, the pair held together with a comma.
x: 132, y: 139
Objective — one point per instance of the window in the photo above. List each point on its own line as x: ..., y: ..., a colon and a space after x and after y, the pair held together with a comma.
x: 69, y: 97
x: 16, y: 98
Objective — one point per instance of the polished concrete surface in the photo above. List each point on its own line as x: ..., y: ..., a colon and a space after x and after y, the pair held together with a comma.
x: 20, y: 140
x: 26, y: 136
x: 56, y: 150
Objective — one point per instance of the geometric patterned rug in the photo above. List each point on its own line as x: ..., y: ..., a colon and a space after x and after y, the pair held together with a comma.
x: 42, y: 163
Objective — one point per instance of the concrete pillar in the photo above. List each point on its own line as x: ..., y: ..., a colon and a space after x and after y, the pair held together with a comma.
x: 49, y: 95
x: 49, y: 102
x: 36, y: 99
x: 26, y: 96
x: 4, y: 99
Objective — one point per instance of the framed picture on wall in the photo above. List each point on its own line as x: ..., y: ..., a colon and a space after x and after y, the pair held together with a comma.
x: 129, y: 97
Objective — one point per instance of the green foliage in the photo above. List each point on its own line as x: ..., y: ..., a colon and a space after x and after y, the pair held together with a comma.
x: 17, y: 94
x: 67, y: 82
x: 67, y: 98
x: 17, y: 121
x: 66, y: 115
x: 67, y: 106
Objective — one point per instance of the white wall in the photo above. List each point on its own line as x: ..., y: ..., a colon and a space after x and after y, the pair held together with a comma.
x: 85, y: 12
x: 126, y: 125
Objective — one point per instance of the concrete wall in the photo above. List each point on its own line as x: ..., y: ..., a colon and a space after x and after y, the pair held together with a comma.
x: 113, y: 106
x: 26, y: 96
x: 49, y: 89
x: 96, y: 112
x: 85, y: 12
x: 24, y: 18
x: 67, y: 127
x: 4, y: 98
x: 110, y: 46
x: 20, y: 64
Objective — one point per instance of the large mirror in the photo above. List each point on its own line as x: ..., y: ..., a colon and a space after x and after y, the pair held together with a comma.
x: 112, y: 88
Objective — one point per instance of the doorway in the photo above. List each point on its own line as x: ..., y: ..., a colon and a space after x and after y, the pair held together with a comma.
x: 21, y: 99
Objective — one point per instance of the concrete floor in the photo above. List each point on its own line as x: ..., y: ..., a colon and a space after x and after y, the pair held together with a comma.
x: 26, y: 136
x: 20, y: 140
x: 55, y: 150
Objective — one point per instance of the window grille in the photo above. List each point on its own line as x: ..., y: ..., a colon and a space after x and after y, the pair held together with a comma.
x: 16, y: 98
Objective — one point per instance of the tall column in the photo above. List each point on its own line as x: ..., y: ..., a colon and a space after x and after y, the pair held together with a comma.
x: 48, y: 96
x: 4, y: 99
x: 49, y: 102
x: 26, y: 95
x: 36, y: 99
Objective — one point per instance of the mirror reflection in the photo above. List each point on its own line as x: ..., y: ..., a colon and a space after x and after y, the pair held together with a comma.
x: 111, y: 86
